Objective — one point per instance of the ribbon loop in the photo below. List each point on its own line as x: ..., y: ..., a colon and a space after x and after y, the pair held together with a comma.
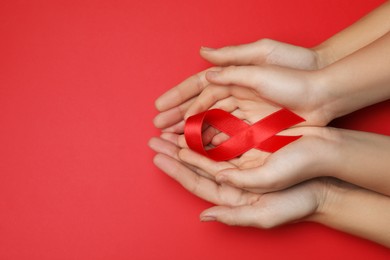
x: 243, y: 137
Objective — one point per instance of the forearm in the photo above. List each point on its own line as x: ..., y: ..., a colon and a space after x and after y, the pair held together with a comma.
x: 356, y: 211
x: 355, y: 157
x: 363, y: 159
x: 361, y: 33
x: 357, y: 81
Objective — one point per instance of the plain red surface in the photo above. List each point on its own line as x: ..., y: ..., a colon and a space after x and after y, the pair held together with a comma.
x: 77, y: 84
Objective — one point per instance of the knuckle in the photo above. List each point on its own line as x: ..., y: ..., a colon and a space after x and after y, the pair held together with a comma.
x: 199, y: 81
x: 266, y: 41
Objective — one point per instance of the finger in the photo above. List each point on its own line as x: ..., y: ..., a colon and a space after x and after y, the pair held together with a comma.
x: 259, y: 179
x: 219, y: 139
x: 177, y: 128
x: 228, y: 104
x: 170, y: 120
x: 247, y: 76
x: 245, y: 54
x: 194, y: 183
x: 211, y: 95
x: 207, y: 137
x: 182, y: 141
x: 172, y: 116
x: 202, y: 162
x: 171, y: 137
x: 200, y: 172
x: 186, y: 90
x: 179, y: 140
x: 164, y: 147
x: 251, y: 159
x: 264, y: 51
x: 278, y: 85
x: 198, y: 185
x: 246, y: 215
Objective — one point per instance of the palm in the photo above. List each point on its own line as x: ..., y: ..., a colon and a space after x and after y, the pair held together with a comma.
x: 250, y: 108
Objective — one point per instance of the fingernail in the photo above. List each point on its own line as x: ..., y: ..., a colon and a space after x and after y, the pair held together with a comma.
x: 203, y: 48
x: 208, y: 218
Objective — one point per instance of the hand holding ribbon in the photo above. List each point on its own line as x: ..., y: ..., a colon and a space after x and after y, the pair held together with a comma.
x: 243, y: 137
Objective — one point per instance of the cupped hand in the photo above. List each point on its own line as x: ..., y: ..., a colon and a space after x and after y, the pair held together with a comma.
x: 270, y: 86
x: 236, y: 206
x: 174, y: 103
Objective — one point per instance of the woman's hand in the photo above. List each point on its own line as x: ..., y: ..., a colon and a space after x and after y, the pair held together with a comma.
x: 327, y: 201
x: 235, y: 206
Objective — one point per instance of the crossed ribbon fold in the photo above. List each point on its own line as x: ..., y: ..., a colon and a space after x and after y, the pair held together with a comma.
x: 243, y: 137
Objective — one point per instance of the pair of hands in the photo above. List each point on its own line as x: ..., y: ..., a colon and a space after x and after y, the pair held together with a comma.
x: 257, y: 86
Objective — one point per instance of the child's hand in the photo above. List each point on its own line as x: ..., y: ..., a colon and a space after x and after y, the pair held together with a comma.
x: 175, y: 102
x: 271, y: 87
x: 265, y: 51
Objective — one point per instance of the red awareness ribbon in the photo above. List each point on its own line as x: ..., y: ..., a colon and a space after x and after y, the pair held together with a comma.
x: 243, y: 137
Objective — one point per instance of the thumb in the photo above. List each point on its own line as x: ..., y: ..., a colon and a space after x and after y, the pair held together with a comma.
x: 247, y: 216
x: 279, y: 85
x: 271, y: 210
x: 244, y: 76
x: 233, y: 216
x: 245, y: 54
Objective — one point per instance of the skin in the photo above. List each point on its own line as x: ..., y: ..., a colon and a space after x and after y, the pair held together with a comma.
x: 357, y: 81
x: 323, y: 200
x: 345, y: 73
x: 173, y: 104
x: 356, y: 157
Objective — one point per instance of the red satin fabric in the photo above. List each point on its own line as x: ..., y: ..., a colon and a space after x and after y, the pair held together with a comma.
x: 243, y: 137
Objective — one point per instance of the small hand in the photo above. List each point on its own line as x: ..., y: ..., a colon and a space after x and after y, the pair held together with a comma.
x: 175, y: 102
x: 271, y: 87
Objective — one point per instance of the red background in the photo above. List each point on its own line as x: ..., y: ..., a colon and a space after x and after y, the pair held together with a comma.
x: 77, y: 84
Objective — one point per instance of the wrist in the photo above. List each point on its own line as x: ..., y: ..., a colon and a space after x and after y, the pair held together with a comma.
x: 322, y: 105
x: 328, y: 143
x: 353, y: 210
x: 329, y: 194
x: 324, y: 55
